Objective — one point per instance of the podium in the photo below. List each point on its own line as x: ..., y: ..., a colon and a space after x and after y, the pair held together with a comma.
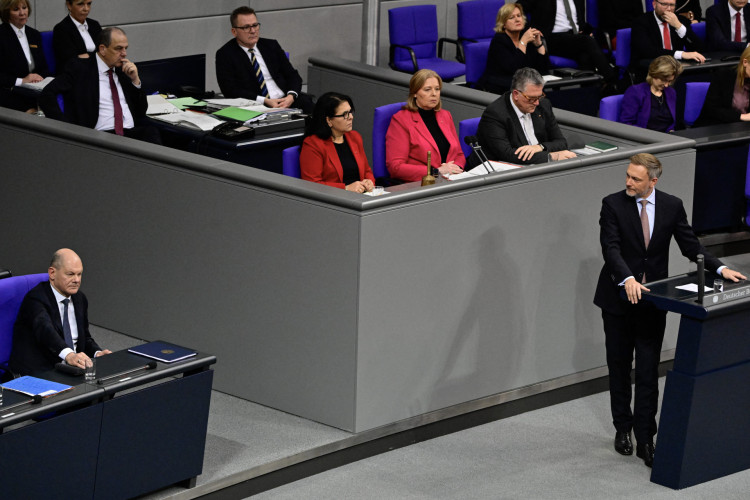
x: 704, y: 428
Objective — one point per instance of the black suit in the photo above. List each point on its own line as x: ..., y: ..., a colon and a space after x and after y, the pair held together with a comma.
x: 717, y: 108
x: 79, y: 84
x: 13, y: 64
x: 38, y: 333
x: 719, y: 27
x: 500, y: 132
x: 237, y: 79
x: 67, y: 42
x: 647, y: 42
x: 639, y: 327
x: 581, y: 47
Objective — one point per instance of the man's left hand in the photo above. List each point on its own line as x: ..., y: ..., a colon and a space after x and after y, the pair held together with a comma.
x: 735, y: 276
x: 102, y: 353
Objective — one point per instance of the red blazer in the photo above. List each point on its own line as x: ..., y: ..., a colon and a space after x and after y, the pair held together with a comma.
x: 408, y: 140
x: 319, y: 161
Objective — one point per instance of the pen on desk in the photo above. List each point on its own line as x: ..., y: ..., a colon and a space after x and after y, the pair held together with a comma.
x: 150, y: 366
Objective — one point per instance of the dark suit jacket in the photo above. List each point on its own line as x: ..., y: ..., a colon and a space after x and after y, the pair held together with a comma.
x: 500, y: 132
x: 618, y: 14
x: 319, y: 161
x: 79, y: 84
x: 542, y: 14
x: 625, y: 253
x: 504, y: 59
x: 719, y: 28
x: 38, y: 332
x: 717, y: 108
x: 647, y: 43
x: 13, y: 64
x: 67, y: 42
x: 235, y: 73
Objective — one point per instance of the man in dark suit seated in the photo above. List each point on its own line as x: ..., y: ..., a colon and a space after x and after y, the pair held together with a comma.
x: 257, y: 68
x: 637, y: 226
x: 727, y: 25
x: 519, y: 127
x: 568, y: 35
x: 102, y: 92
x: 661, y: 33
x: 53, y: 323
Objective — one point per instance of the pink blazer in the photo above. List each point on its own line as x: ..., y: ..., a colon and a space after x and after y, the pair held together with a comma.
x: 319, y: 161
x: 408, y: 140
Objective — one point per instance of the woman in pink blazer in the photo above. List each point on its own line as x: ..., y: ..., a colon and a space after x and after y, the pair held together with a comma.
x: 420, y: 127
x: 332, y: 153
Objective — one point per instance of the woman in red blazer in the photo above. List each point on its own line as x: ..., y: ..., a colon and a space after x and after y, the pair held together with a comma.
x: 332, y: 153
x: 420, y: 127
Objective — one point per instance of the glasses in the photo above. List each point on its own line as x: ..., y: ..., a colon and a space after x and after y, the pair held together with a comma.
x: 666, y: 5
x: 345, y: 115
x: 248, y: 27
x: 533, y: 98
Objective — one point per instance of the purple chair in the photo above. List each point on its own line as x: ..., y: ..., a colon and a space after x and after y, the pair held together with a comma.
x: 609, y: 108
x: 476, y: 22
x: 12, y: 292
x: 415, y: 45
x: 695, y: 95
x: 476, y: 61
x: 380, y: 121
x: 700, y: 30
x: 49, y: 53
x: 290, y: 162
x: 467, y: 127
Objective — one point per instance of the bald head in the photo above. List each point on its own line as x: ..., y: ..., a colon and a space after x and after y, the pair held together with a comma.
x: 65, y: 271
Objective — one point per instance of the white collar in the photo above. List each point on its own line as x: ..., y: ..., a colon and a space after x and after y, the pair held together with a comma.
x: 85, y: 24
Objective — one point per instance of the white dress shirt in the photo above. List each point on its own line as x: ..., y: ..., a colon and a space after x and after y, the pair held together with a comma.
x: 732, y: 20
x: 21, y: 34
x: 106, y: 119
x: 71, y: 319
x: 83, y: 30
x: 680, y: 32
x: 526, y: 124
x: 274, y: 91
x: 562, y: 23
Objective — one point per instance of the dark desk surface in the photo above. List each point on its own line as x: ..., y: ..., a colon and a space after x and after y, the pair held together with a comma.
x: 87, y: 392
x: 593, y: 79
x: 721, y: 135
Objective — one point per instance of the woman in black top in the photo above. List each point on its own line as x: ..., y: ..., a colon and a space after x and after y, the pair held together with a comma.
x: 76, y: 35
x: 514, y: 46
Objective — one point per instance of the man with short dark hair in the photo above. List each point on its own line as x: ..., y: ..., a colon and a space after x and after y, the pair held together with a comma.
x: 637, y: 226
x: 662, y: 33
x: 52, y: 323
x: 728, y: 25
x: 102, y: 92
x: 519, y: 127
x: 257, y: 68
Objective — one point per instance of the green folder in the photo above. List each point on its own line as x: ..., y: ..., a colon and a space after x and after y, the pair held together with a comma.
x: 238, y: 114
x: 183, y: 102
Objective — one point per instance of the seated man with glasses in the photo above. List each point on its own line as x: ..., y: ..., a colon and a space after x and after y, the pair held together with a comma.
x: 662, y: 33
x: 258, y: 69
x: 519, y: 126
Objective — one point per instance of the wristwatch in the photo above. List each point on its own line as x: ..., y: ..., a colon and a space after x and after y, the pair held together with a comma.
x: 542, y: 146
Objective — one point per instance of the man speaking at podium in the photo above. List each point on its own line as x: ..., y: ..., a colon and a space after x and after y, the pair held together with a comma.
x: 637, y: 226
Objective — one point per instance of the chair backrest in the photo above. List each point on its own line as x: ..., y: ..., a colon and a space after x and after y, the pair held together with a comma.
x: 49, y: 53
x: 476, y: 20
x: 467, y: 127
x: 415, y: 26
x: 622, y: 54
x: 12, y: 292
x: 700, y: 30
x: 609, y: 107
x: 475, y: 56
x: 649, y: 6
x: 290, y: 162
x: 695, y: 95
x: 380, y: 121
x: 592, y: 13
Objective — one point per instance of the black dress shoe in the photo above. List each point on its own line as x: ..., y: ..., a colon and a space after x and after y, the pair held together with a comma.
x: 623, y: 445
x: 646, y: 452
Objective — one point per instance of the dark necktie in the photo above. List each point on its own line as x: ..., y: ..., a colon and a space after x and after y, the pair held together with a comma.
x: 115, y: 102
x: 258, y: 74
x: 737, y: 28
x: 667, y: 40
x: 66, y: 325
x: 569, y: 13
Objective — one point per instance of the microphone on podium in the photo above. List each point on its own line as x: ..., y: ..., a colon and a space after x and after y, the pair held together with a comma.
x: 473, y: 143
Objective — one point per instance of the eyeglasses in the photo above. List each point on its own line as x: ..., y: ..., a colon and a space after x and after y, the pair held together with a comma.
x: 666, y: 5
x: 533, y: 98
x: 345, y: 115
x: 248, y: 27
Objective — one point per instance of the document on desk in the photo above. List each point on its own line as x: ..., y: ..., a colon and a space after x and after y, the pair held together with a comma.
x: 163, y: 351
x: 495, y: 166
x: 693, y: 287
x: 191, y: 120
x: 237, y: 102
x: 31, y: 386
x: 38, y: 85
x: 157, y: 105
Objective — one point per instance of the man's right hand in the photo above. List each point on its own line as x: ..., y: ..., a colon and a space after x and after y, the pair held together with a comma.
x: 694, y: 56
x: 672, y: 19
x: 77, y: 359
x: 633, y: 290
x: 562, y: 155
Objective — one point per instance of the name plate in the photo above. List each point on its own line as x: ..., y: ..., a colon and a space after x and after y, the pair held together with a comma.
x: 727, y: 296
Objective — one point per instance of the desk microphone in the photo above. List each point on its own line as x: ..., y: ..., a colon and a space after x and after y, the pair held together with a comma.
x: 150, y: 366
x: 36, y: 399
x: 473, y: 142
x: 701, y: 277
